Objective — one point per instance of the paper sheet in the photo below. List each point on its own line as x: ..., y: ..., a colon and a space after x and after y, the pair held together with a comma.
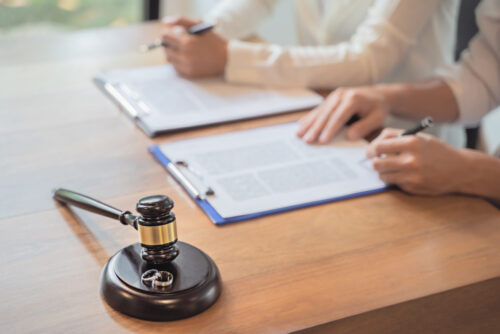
x: 268, y: 168
x: 166, y: 101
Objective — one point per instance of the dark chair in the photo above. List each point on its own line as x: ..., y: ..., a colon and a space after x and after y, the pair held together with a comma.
x: 466, y: 29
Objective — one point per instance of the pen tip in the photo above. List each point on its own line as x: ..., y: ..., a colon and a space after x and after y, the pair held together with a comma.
x: 428, y: 121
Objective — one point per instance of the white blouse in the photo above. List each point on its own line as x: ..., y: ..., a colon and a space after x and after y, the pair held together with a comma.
x: 351, y: 42
x: 344, y: 43
x: 475, y: 80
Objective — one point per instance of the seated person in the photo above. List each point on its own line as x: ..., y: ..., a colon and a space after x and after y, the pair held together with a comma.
x: 423, y: 164
x: 342, y: 43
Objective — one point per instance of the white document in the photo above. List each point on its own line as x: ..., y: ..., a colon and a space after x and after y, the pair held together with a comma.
x: 270, y: 168
x: 162, y: 100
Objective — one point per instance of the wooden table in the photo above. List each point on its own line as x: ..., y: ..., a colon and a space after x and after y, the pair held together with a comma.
x: 388, y: 262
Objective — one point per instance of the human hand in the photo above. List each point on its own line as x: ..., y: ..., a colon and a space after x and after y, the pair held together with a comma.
x: 194, y: 55
x: 419, y: 164
x: 323, y: 122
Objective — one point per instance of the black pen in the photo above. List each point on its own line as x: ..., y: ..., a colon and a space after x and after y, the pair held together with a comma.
x: 197, y: 29
x: 424, y: 124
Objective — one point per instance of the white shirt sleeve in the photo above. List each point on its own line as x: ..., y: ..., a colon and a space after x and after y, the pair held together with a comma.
x: 239, y: 18
x: 475, y: 81
x: 377, y: 47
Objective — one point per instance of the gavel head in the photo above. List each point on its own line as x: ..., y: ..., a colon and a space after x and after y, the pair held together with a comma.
x: 157, y: 229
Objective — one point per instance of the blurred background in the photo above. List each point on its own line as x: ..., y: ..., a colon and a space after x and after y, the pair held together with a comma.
x: 48, y: 16
x: 31, y: 17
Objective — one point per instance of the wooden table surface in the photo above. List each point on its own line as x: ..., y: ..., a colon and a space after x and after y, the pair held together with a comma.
x: 386, y: 262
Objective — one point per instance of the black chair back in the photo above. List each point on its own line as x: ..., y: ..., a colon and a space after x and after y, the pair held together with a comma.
x: 466, y: 29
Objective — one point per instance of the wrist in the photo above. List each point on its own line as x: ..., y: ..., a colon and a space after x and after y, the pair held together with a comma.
x: 467, y: 174
x: 417, y: 100
x: 480, y: 174
x: 393, y: 94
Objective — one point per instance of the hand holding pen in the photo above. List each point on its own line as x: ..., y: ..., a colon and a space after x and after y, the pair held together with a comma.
x: 418, y: 163
x: 196, y: 29
x: 193, y: 48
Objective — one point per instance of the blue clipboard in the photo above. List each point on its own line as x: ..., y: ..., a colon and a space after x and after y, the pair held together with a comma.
x: 217, y: 219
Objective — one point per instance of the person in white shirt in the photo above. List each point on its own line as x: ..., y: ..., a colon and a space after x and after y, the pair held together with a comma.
x: 423, y: 164
x: 342, y: 43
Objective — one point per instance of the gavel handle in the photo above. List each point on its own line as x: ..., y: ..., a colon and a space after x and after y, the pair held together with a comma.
x: 90, y: 204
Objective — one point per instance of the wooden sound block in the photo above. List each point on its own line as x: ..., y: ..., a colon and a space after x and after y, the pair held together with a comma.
x: 196, y: 284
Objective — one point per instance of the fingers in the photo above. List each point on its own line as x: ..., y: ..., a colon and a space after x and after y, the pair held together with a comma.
x: 394, y: 163
x: 326, y: 120
x: 306, y: 121
x: 385, y: 135
x: 185, y: 22
x: 339, y: 117
x: 391, y: 146
x: 329, y: 119
x: 175, y: 33
x: 316, y: 120
x: 365, y: 125
x: 322, y: 119
x: 387, y: 165
x: 396, y: 178
x: 175, y: 37
x: 174, y: 56
x: 408, y: 182
x: 179, y: 62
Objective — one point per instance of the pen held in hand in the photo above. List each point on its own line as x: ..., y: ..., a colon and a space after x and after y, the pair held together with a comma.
x: 156, y: 44
x: 424, y: 124
x: 197, y: 29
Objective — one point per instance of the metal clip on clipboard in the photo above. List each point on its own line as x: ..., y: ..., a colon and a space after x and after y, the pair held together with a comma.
x: 175, y: 170
x: 126, y: 98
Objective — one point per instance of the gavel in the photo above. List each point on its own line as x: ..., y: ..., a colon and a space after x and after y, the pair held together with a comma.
x: 156, y: 224
x: 159, y: 278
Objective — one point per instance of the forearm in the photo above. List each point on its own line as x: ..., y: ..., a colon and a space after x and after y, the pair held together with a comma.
x: 480, y: 175
x: 298, y: 66
x: 389, y: 32
x: 417, y: 100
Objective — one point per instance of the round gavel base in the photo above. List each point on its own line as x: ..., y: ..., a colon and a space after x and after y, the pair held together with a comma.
x: 195, y: 287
